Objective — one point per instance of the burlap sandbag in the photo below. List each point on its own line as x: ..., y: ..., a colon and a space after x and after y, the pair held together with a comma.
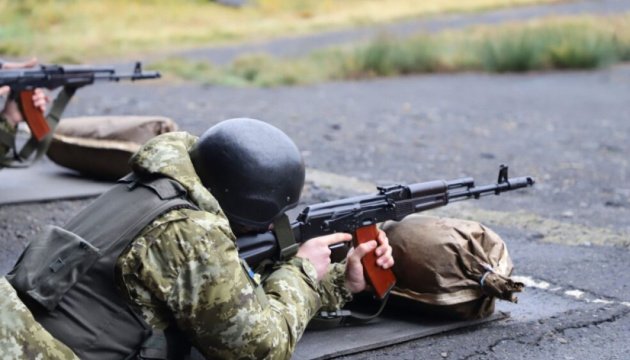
x: 449, y: 267
x: 100, y: 146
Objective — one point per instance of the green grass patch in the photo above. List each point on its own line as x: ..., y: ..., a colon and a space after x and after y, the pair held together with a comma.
x: 561, y: 43
x: 564, y: 46
x: 93, y: 29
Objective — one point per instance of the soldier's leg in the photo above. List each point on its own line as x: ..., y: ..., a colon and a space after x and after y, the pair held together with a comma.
x: 21, y: 337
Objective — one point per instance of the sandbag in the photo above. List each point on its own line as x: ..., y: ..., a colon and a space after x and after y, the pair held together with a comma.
x: 100, y: 146
x: 449, y: 267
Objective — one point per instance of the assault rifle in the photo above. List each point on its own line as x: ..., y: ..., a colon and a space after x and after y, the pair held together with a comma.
x: 360, y: 215
x: 23, y: 83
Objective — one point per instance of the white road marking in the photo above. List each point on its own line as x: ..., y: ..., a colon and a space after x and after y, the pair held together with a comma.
x: 572, y: 293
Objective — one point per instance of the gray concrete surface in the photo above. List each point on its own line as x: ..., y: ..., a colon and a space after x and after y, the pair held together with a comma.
x: 45, y: 181
x: 569, y: 130
x: 568, y: 236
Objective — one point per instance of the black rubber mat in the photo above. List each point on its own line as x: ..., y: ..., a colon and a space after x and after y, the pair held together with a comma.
x: 389, y: 329
x: 45, y: 180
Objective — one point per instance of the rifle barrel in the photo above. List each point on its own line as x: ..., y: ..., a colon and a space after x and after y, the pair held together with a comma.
x: 496, y: 189
x: 60, y: 74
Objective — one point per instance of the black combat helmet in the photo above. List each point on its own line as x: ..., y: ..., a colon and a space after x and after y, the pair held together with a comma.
x: 253, y: 169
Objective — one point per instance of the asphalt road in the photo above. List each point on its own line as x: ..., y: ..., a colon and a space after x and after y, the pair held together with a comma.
x: 568, y: 130
x: 568, y: 236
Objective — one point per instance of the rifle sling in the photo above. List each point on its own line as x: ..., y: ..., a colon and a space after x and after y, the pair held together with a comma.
x: 329, y: 319
x: 7, y: 138
x: 286, y: 238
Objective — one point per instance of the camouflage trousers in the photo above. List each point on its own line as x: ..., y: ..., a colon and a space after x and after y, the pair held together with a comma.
x: 21, y: 337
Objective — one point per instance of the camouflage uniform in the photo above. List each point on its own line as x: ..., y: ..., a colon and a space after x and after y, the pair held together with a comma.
x: 183, y: 269
x: 21, y: 337
x: 5, y: 127
x: 9, y: 130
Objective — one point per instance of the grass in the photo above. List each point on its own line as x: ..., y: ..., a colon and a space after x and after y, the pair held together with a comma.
x: 585, y: 42
x: 570, y: 45
x: 84, y: 30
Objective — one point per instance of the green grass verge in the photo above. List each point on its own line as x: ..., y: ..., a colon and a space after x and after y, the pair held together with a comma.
x: 570, y: 46
x: 567, y: 43
x: 83, y: 30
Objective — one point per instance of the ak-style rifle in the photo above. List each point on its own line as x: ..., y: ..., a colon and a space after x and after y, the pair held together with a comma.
x: 23, y: 83
x: 360, y: 215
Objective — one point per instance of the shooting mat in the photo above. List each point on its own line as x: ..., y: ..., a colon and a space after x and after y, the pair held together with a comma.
x: 44, y: 181
x: 389, y: 329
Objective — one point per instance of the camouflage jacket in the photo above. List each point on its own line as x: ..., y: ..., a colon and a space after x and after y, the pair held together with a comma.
x: 184, y: 270
x: 9, y: 131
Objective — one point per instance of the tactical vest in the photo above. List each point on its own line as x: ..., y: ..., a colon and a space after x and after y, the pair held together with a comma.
x: 67, y: 277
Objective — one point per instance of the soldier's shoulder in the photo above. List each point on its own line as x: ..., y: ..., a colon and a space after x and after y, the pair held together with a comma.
x: 206, y: 221
x: 189, y: 217
x: 193, y: 225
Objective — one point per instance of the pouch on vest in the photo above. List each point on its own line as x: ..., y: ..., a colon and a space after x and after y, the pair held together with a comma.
x: 57, y: 259
x: 71, y: 273
x: 449, y: 267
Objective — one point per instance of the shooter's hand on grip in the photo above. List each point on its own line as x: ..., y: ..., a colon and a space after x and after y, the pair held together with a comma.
x: 372, y: 260
x: 33, y: 104
x: 369, y: 261
x: 317, y: 251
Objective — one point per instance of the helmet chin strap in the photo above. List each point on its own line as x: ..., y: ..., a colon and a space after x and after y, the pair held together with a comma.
x: 240, y: 229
